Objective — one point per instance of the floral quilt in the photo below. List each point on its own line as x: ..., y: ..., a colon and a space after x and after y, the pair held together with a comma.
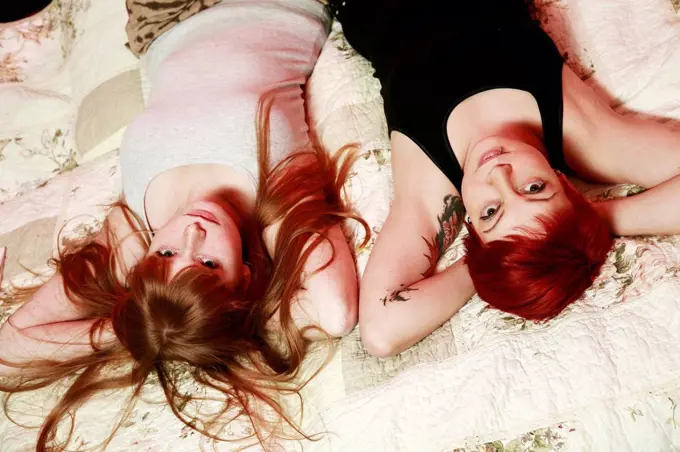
x: 485, y: 381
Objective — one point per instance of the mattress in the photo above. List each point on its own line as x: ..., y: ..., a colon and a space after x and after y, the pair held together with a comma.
x: 604, y: 375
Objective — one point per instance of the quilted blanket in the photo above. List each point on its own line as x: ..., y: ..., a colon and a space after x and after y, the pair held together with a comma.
x: 604, y: 375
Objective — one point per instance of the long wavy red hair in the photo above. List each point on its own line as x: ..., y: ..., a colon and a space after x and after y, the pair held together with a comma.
x: 193, y: 321
x: 537, y: 274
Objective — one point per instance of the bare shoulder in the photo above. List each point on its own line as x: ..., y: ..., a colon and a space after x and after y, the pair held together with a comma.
x: 418, y: 182
x: 587, y: 120
x: 584, y: 109
x: 604, y: 146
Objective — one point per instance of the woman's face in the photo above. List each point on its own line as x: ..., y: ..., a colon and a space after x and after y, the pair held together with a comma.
x: 506, y: 185
x: 203, y: 234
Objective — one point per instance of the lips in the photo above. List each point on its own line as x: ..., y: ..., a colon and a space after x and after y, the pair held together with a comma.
x: 204, y: 214
x: 489, y: 155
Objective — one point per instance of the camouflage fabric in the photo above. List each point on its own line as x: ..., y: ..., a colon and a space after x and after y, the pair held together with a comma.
x: 148, y: 19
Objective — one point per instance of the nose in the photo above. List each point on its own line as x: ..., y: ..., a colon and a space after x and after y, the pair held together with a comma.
x: 500, y: 177
x: 194, y: 234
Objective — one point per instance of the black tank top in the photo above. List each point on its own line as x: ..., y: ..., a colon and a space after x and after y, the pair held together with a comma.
x: 430, y: 55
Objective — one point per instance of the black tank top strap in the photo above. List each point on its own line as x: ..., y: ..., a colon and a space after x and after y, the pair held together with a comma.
x: 551, y: 106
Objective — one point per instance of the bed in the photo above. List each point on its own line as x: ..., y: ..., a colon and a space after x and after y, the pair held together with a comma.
x: 604, y: 375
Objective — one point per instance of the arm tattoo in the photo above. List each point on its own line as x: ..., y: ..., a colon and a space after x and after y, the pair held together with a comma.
x: 450, y: 222
x: 397, y: 295
x: 449, y: 226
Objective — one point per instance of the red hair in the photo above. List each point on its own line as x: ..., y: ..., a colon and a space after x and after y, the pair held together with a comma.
x: 538, y: 274
x: 192, y: 321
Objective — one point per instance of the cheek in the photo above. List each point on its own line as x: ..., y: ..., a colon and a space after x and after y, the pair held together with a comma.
x: 172, y: 230
x: 531, y: 162
x: 474, y: 194
x: 164, y: 236
x: 224, y: 245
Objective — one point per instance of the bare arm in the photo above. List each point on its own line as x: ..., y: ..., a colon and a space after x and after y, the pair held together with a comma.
x: 58, y: 341
x: 648, y: 156
x: 611, y: 148
x: 431, y: 302
x: 330, y: 297
x: 653, y: 212
x: 47, y: 325
x: 50, y: 304
x: 401, y: 300
x: 398, y: 305
x: 42, y: 327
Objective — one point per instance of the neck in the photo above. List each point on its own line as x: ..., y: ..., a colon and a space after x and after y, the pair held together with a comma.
x: 174, y: 190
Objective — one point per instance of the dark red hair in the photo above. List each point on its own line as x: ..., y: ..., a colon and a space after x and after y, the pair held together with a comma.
x: 538, y: 274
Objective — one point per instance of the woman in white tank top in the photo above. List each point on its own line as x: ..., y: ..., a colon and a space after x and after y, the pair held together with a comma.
x: 215, y: 259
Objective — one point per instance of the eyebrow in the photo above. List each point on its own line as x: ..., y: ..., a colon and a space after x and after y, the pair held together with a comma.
x: 529, y: 200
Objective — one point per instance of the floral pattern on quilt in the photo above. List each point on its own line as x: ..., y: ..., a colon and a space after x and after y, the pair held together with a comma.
x: 552, y: 439
x: 337, y: 38
x: 32, y: 50
x: 642, y: 418
x: 4, y: 312
x: 633, y: 268
x: 23, y: 42
x: 27, y: 161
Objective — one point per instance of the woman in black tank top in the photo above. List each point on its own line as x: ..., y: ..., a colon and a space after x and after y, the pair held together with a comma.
x: 479, y: 106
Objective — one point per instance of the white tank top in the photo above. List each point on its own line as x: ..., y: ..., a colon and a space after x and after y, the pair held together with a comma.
x: 208, y: 74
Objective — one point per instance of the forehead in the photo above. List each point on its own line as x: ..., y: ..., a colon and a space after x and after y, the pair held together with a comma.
x: 520, y: 215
